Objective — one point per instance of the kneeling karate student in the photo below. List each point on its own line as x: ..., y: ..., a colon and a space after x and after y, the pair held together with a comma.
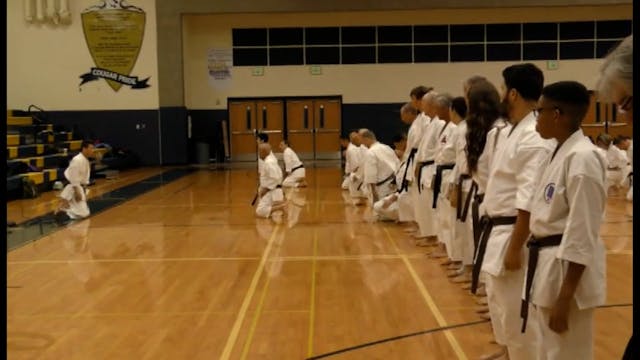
x: 270, y: 192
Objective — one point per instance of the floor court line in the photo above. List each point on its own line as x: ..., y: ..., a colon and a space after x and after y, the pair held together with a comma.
x: 256, y: 317
x: 233, y: 335
x: 312, y: 302
x: 429, y: 300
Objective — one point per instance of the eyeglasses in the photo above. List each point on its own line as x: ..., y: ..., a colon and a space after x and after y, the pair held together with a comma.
x: 626, y: 104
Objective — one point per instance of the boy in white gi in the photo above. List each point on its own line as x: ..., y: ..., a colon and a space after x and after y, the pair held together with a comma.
x: 380, y: 166
x: 292, y: 166
x: 566, y: 272
x: 424, y: 172
x: 507, y: 205
x: 270, y: 192
x: 73, y: 198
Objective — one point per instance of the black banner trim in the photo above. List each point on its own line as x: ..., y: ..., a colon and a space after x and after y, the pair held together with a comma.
x: 99, y: 73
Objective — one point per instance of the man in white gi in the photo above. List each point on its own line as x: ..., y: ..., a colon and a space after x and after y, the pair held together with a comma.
x: 380, y: 166
x: 389, y: 207
x: 346, y: 144
x: 271, y: 198
x: 566, y: 272
x: 507, y: 205
x: 292, y: 166
x: 357, y: 190
x: 73, y: 198
x: 424, y: 172
x: 412, y: 115
x: 444, y: 161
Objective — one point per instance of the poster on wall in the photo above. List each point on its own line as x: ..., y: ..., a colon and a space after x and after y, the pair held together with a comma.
x: 114, y: 31
x: 220, y: 62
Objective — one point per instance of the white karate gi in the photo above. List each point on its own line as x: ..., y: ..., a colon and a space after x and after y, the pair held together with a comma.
x: 357, y: 189
x: 422, y: 200
x: 445, y: 215
x: 514, y: 170
x: 348, y: 165
x: 380, y: 164
x: 401, y: 203
x: 462, y: 241
x: 569, y: 199
x: 77, y: 174
x: 618, y: 166
x: 407, y: 213
x: 291, y: 161
x: 270, y: 178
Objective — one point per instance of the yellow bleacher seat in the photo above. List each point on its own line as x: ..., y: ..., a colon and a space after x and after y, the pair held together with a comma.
x: 53, y: 174
x: 74, y: 145
x: 37, y: 177
x: 13, y: 140
x: 13, y: 152
x: 19, y: 120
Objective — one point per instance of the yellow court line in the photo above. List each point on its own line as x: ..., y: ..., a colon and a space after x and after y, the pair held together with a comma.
x: 429, y: 301
x: 256, y: 316
x: 233, y: 335
x: 312, y: 306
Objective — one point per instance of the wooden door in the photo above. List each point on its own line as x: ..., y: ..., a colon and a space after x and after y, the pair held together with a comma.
x: 592, y: 124
x: 300, y: 128
x: 618, y: 124
x: 603, y: 118
x: 270, y: 117
x: 242, y: 121
x: 327, y: 116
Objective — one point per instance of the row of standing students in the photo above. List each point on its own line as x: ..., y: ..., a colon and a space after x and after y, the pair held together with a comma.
x: 510, y: 192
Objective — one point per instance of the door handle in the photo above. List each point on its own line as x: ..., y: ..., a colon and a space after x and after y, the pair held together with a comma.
x: 306, y: 117
x: 248, y: 117
x: 321, y: 116
x: 264, y: 117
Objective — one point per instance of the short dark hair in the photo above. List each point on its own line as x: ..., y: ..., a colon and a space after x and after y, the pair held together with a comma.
x: 619, y: 139
x: 459, y: 105
x: 527, y: 79
x: 419, y: 91
x: 86, y: 144
x: 572, y: 98
x: 263, y: 137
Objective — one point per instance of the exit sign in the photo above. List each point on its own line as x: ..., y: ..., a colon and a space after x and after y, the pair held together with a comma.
x: 552, y: 65
x: 258, y: 71
x: 315, y: 70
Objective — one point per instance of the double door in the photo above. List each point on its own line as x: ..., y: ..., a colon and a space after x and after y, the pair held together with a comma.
x: 312, y: 126
x: 603, y: 118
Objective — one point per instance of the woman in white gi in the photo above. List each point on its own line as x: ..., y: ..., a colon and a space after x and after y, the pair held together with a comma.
x: 566, y: 273
x: 73, y: 198
x: 292, y: 166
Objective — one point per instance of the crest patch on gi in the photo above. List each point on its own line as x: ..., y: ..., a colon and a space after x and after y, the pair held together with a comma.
x: 548, y: 192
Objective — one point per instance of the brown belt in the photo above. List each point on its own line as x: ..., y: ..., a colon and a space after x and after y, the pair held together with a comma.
x: 534, y: 245
x: 487, y: 223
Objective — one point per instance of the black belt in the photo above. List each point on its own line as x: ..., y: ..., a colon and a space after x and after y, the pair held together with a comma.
x: 390, y: 177
x: 487, y: 224
x: 420, y: 166
x: 475, y: 217
x: 462, y: 211
x: 301, y: 166
x: 630, y: 176
x: 437, y: 182
x: 405, y: 184
x: 534, y: 246
x: 614, y: 168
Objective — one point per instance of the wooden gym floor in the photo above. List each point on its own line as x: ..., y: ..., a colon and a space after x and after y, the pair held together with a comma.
x: 186, y: 271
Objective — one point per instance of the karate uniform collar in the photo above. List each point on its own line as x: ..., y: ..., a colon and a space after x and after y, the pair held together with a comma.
x: 531, y: 117
x: 561, y: 149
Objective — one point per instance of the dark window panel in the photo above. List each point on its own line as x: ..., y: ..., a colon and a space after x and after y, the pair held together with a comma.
x: 577, y: 50
x: 461, y: 53
x: 249, y: 37
x: 613, y: 29
x: 604, y: 47
x: 540, y: 31
x: 250, y: 57
x: 358, y: 54
x: 577, y: 30
x: 394, y: 35
x: 431, y: 53
x: 322, y: 55
x: 431, y: 34
x: 322, y: 36
x: 395, y: 54
x: 503, y: 32
x: 359, y: 35
x: 467, y: 33
x: 539, y: 51
x: 503, y: 52
x: 285, y: 36
x: 286, y: 56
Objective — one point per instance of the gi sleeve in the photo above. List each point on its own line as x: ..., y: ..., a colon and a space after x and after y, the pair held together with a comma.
x: 528, y: 160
